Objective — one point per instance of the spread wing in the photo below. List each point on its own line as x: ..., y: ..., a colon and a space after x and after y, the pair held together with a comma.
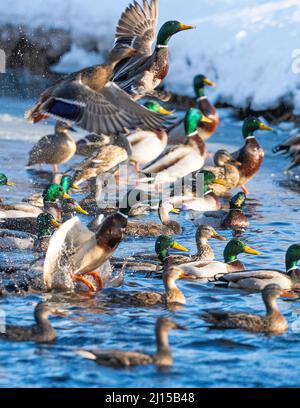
x: 137, y: 26
x: 110, y: 111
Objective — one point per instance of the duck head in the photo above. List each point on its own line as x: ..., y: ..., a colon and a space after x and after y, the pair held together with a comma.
x: 206, y: 232
x: 192, y: 119
x: 251, y: 124
x: 110, y: 233
x: 67, y: 183
x: 46, y: 224
x: 168, y: 30
x: 292, y: 257
x: 164, y: 243
x: 4, y: 181
x: 167, y: 324
x: 63, y: 127
x: 223, y: 157
x: 237, y: 202
x: 236, y: 247
x: 154, y: 106
x: 71, y: 206
x: 200, y: 81
x: 207, y: 178
x: 54, y: 192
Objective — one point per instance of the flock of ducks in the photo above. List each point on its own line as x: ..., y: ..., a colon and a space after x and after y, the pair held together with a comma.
x: 103, y: 100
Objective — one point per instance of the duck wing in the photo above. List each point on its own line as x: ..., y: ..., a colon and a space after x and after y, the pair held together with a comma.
x: 109, y: 111
x: 137, y: 26
x: 63, y: 247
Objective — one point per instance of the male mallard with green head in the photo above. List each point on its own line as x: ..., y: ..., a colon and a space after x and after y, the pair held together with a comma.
x: 180, y: 160
x: 274, y: 322
x: 209, y: 269
x: 257, y: 279
x: 141, y: 74
x: 251, y: 154
x: 4, y: 181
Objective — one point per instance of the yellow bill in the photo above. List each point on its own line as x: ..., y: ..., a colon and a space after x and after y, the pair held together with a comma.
x: 263, y: 126
x: 185, y: 27
x: 218, y: 236
x: 75, y: 186
x: 66, y: 196
x: 249, y: 250
x: 55, y: 223
x: 10, y: 183
x: 80, y: 210
x: 220, y: 182
x: 179, y: 247
x: 205, y: 119
x: 164, y: 111
x: 175, y: 211
x: 209, y: 83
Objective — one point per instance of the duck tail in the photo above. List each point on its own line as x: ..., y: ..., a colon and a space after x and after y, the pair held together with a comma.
x: 280, y: 148
x: 86, y: 354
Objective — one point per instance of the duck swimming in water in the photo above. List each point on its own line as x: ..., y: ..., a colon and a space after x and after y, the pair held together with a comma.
x: 209, y: 269
x: 274, y: 322
x: 257, y: 279
x: 41, y: 332
x: 120, y: 358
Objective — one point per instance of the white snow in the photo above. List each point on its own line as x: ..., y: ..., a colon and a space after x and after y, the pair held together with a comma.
x: 246, y: 46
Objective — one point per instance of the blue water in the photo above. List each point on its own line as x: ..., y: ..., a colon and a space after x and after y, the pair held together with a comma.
x: 202, y: 357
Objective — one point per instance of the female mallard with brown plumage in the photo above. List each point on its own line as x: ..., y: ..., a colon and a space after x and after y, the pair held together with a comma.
x: 93, y: 102
x: 172, y: 293
x: 257, y: 279
x: 251, y: 154
x: 152, y: 229
x: 180, y: 160
x: 141, y: 74
x: 120, y: 358
x: 226, y: 169
x: 274, y: 322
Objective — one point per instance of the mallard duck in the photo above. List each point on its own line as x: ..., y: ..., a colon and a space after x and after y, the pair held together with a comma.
x: 116, y: 358
x: 251, y: 154
x: 41, y: 332
x: 226, y: 169
x: 180, y: 160
x: 11, y: 240
x: 197, y: 195
x: 76, y: 252
x: 54, y: 149
x: 257, y: 279
x: 234, y: 219
x: 152, y: 229
x: 105, y: 160
x: 141, y: 74
x: 291, y: 146
x: 152, y: 262
x: 146, y: 146
x: 274, y: 322
x: 172, y: 293
x: 69, y: 208
x: 209, y: 269
x: 93, y: 102
x: 65, y: 180
x: 92, y: 142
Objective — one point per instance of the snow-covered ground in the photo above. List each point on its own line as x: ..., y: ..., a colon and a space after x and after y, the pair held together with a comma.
x: 246, y: 46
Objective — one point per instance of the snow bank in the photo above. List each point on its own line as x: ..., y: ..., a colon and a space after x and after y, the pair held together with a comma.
x: 246, y: 46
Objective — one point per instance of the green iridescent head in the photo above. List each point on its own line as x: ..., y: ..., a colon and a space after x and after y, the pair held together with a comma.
x: 4, y: 181
x: 164, y: 243
x: 154, y: 106
x: 192, y: 119
x: 46, y: 224
x: 251, y: 124
x: 168, y: 30
x: 237, y: 202
x: 67, y: 183
x: 54, y: 192
x: 207, y: 178
x: 200, y: 81
x: 292, y: 256
x: 236, y: 247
